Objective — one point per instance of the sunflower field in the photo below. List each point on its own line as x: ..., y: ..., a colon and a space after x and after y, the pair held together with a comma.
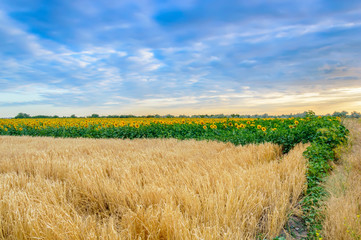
x: 285, y: 132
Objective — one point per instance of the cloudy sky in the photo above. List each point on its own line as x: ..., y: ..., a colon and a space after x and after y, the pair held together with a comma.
x: 180, y: 57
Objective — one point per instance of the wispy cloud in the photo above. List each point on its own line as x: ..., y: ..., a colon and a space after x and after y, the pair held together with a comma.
x: 145, y: 59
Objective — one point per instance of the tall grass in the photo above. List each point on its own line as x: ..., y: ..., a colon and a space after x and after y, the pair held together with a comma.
x: 145, y: 189
x: 343, y: 208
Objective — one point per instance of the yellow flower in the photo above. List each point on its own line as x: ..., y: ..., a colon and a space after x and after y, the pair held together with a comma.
x: 290, y: 126
x: 6, y: 129
x: 263, y: 129
x: 358, y: 215
x: 136, y: 125
x: 259, y: 126
x: 248, y: 122
x: 296, y: 122
x: 204, y: 127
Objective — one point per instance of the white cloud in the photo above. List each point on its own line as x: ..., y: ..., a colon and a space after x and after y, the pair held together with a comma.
x: 248, y: 61
x: 235, y: 33
x: 20, y: 38
x: 145, y: 59
x: 29, y: 93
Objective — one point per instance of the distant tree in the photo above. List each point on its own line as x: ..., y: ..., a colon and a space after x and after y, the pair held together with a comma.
x: 310, y: 113
x: 41, y: 116
x: 94, y: 115
x: 340, y: 114
x: 220, y: 115
x: 22, y: 115
x: 355, y: 114
x: 304, y: 114
x: 73, y: 116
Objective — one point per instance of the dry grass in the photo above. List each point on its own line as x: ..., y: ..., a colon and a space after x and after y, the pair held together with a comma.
x: 145, y: 189
x: 344, y: 205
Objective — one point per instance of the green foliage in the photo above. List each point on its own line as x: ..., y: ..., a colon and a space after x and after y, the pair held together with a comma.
x: 320, y: 154
x: 22, y: 115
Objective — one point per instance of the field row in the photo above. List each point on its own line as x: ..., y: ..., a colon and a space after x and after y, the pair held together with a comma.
x: 285, y: 132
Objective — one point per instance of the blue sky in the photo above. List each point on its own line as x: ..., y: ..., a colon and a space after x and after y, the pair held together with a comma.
x: 179, y: 57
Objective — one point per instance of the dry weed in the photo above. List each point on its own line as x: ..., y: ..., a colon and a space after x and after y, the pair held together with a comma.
x: 343, y: 208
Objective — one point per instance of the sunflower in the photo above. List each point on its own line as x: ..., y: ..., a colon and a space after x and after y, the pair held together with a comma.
x: 259, y: 126
x: 264, y: 129
x: 204, y: 127
x: 136, y: 125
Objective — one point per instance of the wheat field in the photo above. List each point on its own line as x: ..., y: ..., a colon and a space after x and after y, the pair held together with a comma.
x: 145, y: 189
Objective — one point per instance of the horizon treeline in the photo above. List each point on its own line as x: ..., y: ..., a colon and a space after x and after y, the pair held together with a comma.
x: 343, y: 114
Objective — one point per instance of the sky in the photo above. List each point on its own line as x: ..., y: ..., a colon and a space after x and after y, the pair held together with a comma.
x: 112, y: 57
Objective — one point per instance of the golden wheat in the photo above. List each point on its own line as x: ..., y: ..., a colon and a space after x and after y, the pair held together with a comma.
x: 343, y: 208
x: 145, y: 189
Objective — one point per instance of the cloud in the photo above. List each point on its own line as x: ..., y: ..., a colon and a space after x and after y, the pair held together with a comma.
x: 145, y: 59
x: 193, y: 55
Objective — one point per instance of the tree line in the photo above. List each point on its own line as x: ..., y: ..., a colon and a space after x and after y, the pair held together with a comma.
x: 343, y: 114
